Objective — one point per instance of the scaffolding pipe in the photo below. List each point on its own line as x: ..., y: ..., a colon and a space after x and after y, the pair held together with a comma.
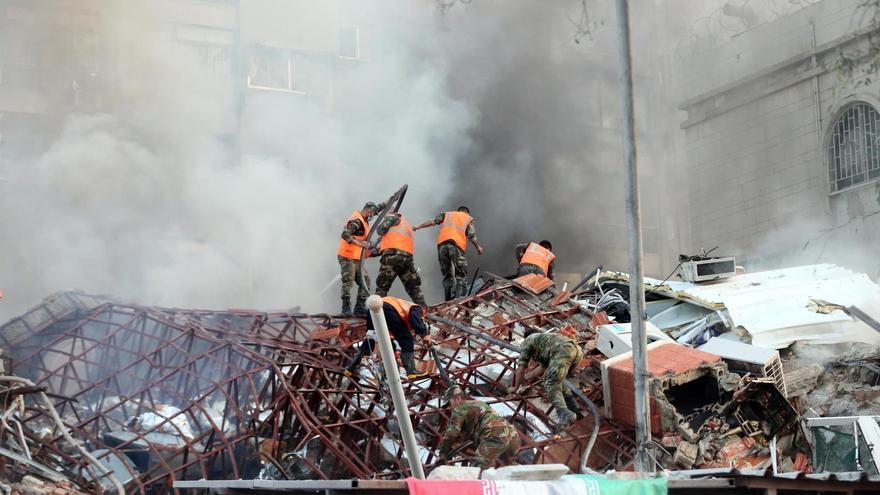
x: 634, y: 235
x: 401, y: 409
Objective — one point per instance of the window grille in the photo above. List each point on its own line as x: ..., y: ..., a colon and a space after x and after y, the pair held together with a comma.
x: 854, y: 147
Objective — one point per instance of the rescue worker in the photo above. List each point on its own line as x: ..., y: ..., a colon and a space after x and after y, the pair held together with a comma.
x: 396, y: 248
x: 456, y: 228
x: 348, y: 254
x: 538, y: 258
x: 560, y: 356
x: 494, y: 439
x: 404, y: 319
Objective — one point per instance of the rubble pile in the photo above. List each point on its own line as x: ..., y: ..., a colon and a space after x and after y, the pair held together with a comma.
x: 145, y: 396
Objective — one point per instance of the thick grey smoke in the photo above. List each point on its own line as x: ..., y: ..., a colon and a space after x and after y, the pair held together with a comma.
x: 147, y: 203
x: 505, y: 106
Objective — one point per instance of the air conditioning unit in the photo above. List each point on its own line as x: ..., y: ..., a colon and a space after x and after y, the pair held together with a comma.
x: 708, y: 269
x: 616, y: 338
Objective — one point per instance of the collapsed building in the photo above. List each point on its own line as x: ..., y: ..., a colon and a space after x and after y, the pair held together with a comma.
x: 103, y: 396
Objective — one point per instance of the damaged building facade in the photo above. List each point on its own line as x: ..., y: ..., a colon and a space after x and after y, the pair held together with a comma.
x: 780, y: 145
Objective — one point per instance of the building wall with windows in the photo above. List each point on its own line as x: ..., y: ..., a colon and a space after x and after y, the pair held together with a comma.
x: 782, y: 151
x: 55, y: 61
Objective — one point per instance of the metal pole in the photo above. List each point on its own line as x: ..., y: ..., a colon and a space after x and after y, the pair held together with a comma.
x: 634, y: 234
x: 401, y: 410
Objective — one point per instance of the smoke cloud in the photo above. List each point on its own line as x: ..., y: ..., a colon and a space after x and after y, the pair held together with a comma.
x: 148, y: 204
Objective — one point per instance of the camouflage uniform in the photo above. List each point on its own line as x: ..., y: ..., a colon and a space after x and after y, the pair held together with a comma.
x: 351, y: 274
x: 558, y: 355
x: 527, y: 268
x: 350, y: 270
x: 396, y: 263
x: 453, y: 264
x: 496, y: 441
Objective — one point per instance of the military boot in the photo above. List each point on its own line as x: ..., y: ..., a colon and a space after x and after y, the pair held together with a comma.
x: 564, y: 419
x: 346, y: 307
x: 359, y: 308
x: 409, y: 364
x: 573, y: 406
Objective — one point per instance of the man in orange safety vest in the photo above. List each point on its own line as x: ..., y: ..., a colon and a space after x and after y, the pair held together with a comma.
x: 456, y: 228
x: 404, y: 320
x: 351, y: 244
x: 397, y: 249
x: 538, y: 258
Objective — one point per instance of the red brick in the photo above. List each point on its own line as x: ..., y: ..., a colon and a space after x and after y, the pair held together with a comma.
x: 670, y: 358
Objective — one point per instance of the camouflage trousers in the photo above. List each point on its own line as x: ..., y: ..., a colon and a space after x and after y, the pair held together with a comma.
x: 497, y: 447
x: 566, y: 357
x: 526, y: 268
x: 351, y: 274
x: 400, y: 264
x: 453, y: 265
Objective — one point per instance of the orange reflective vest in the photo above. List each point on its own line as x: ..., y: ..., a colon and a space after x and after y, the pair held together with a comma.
x: 454, y: 228
x: 399, y: 237
x: 402, y: 307
x: 539, y: 256
x: 353, y: 251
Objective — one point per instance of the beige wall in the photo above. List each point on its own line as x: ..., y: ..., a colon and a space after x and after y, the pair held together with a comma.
x: 758, y: 110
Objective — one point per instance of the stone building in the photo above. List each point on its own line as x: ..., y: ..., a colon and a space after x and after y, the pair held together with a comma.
x: 782, y: 150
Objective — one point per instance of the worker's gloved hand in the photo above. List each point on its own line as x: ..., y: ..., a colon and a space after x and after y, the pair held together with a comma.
x: 428, y: 340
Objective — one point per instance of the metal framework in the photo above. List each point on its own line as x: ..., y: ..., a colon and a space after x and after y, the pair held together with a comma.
x: 160, y: 395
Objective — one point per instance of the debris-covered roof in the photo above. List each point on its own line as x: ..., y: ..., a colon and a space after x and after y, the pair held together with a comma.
x: 156, y: 395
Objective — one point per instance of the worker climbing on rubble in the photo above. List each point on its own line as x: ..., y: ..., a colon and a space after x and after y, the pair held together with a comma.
x: 494, y: 440
x: 538, y: 258
x: 348, y: 254
x: 456, y: 228
x: 559, y: 356
x: 397, y: 249
x: 404, y: 319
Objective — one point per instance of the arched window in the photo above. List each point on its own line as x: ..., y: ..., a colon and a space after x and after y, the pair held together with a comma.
x: 854, y: 146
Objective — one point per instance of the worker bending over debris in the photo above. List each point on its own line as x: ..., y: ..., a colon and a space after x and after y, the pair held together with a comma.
x: 397, y: 248
x: 349, y: 255
x: 559, y: 356
x: 538, y: 258
x: 456, y: 227
x: 404, y: 319
x: 495, y: 441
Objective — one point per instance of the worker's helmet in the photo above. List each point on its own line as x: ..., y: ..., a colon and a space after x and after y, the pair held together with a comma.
x: 450, y: 393
x: 369, y: 205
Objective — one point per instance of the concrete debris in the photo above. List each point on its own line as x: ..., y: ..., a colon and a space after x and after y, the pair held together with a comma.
x: 162, y: 394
